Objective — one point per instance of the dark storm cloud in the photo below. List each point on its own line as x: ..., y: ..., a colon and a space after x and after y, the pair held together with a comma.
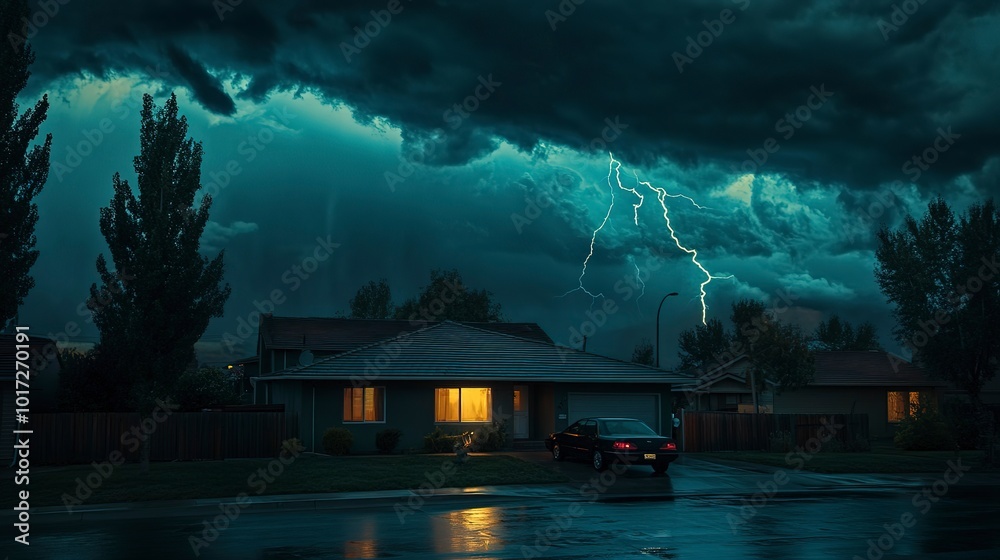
x: 892, y: 87
x: 205, y: 88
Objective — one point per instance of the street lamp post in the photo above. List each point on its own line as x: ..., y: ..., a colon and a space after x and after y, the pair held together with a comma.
x: 658, y: 326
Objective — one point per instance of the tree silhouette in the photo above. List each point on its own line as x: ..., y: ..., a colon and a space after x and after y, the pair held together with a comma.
x: 942, y: 275
x: 373, y: 301
x: 836, y: 334
x: 156, y: 304
x: 23, y: 171
x: 643, y: 353
x: 447, y: 298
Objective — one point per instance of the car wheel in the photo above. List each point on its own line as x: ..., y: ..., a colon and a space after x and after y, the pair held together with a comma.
x: 557, y: 452
x: 599, y: 463
x: 660, y: 468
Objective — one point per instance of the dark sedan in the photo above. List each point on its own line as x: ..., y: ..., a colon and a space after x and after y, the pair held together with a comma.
x: 606, y: 440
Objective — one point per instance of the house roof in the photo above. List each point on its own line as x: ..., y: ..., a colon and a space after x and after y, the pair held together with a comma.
x: 465, y: 352
x: 867, y: 368
x: 341, y: 335
x: 838, y: 369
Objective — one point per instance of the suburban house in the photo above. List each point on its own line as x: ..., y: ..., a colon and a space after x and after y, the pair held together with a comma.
x: 875, y: 383
x: 368, y: 375
x: 42, y: 384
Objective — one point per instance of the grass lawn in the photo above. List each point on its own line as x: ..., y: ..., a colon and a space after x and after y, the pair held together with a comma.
x: 306, y: 474
x: 881, y: 459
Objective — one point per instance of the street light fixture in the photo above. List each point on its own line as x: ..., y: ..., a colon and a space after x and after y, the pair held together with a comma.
x: 658, y: 326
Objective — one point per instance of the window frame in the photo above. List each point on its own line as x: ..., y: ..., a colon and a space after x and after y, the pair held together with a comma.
x: 376, y: 391
x: 910, y: 399
x: 461, y: 420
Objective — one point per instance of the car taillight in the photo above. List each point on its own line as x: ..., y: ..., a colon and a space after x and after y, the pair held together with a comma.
x: 669, y: 446
x: 622, y: 445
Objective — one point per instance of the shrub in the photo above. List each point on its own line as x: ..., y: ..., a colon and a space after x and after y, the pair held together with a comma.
x: 493, y: 437
x: 337, y: 441
x: 440, y: 442
x: 293, y: 446
x: 780, y: 441
x: 857, y: 444
x: 387, y: 440
x: 925, y: 429
x: 207, y: 387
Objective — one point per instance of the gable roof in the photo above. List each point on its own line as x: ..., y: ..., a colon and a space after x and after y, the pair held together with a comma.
x: 844, y: 368
x: 450, y: 351
x: 339, y: 335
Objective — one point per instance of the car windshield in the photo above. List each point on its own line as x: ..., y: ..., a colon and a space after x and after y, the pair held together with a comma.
x: 625, y: 428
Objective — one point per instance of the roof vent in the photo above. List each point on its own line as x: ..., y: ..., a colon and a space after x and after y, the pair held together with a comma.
x: 305, y: 358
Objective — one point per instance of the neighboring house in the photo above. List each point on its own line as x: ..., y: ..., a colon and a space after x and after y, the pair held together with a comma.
x: 724, y: 389
x: 875, y: 383
x: 456, y: 376
x: 42, y: 385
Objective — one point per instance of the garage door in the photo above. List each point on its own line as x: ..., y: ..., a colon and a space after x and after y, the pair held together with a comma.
x: 643, y: 406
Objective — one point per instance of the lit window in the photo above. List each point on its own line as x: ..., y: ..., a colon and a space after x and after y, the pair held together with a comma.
x: 904, y: 403
x: 462, y: 405
x: 897, y: 405
x: 364, y: 404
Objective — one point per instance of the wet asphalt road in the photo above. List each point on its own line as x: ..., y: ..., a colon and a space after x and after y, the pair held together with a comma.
x: 596, y: 521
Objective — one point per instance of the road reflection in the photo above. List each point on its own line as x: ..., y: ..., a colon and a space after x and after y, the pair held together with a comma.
x: 469, y: 530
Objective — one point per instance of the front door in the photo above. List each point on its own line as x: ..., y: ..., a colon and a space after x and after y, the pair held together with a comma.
x: 520, y: 411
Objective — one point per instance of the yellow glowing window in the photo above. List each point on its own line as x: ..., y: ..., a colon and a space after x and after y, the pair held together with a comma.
x: 364, y: 404
x: 463, y: 405
x: 518, y: 401
x: 903, y: 403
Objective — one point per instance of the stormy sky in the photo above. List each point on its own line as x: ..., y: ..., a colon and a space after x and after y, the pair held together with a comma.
x: 404, y: 136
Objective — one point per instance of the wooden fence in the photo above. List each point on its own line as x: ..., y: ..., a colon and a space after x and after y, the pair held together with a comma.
x: 67, y: 438
x: 734, y: 431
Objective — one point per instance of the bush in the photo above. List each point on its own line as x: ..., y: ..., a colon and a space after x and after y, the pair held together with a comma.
x: 337, y: 441
x: 925, y: 429
x: 493, y: 437
x: 440, y: 442
x: 207, y: 387
x: 780, y: 441
x: 858, y: 444
x: 293, y: 446
x: 387, y: 440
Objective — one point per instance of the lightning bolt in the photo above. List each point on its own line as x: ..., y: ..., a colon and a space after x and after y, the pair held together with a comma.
x: 614, y: 168
x: 638, y: 278
x: 593, y: 238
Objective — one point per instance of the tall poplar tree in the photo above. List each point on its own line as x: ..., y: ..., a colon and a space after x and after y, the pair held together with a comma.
x: 157, y: 302
x: 23, y: 170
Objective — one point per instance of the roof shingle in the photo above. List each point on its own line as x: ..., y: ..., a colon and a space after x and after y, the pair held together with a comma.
x: 463, y: 352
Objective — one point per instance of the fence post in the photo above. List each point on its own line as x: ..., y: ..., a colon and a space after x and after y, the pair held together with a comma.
x: 683, y: 428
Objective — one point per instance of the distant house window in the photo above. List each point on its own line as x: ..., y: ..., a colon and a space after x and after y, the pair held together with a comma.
x: 466, y: 404
x: 364, y: 404
x: 903, y: 403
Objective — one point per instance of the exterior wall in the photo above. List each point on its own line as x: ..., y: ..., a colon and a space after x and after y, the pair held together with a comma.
x: 289, y: 394
x: 872, y: 401
x: 542, y: 421
x: 409, y: 407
